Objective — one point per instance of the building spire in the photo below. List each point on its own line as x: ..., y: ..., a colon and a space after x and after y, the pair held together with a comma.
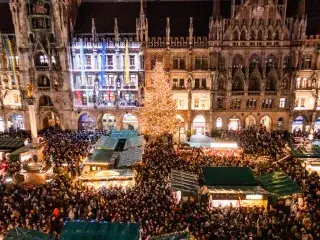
x: 141, y: 9
x: 116, y: 30
x: 93, y: 29
x: 216, y: 8
x: 301, y: 8
x: 168, y: 31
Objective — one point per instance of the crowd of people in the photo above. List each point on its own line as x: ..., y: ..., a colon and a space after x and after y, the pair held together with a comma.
x: 151, y: 201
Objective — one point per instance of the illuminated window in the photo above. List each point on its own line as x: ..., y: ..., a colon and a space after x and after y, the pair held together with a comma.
x: 219, y: 123
x: 133, y: 80
x: 111, y: 80
x: 196, y: 102
x: 282, y: 103
x: 203, y: 103
x: 53, y: 60
x: 110, y: 60
x: 131, y: 59
x: 298, y: 83
x: 303, y: 100
x: 16, y: 98
x: 88, y: 60
x: 43, y: 59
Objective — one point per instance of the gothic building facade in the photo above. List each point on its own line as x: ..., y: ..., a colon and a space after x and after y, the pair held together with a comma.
x: 247, y: 64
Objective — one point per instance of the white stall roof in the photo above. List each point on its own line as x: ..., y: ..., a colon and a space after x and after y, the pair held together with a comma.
x: 130, y: 157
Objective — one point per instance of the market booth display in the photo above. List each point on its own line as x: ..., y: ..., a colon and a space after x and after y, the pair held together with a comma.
x: 185, y: 186
x: 26, y: 234
x: 100, y: 231
x: 281, y: 187
x: 232, y: 185
x: 111, y: 160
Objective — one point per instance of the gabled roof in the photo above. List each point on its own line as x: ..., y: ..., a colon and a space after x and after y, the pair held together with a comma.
x: 184, y: 181
x: 228, y: 176
x: 24, y: 234
x: 279, y: 184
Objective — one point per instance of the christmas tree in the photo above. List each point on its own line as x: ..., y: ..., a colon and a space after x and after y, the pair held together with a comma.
x: 158, y: 117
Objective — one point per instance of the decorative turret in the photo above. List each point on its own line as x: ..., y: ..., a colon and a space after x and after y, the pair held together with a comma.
x: 142, y: 25
x: 168, y: 32
x: 191, y: 32
x: 93, y: 30
x: 216, y: 9
x: 116, y: 30
x: 301, y: 8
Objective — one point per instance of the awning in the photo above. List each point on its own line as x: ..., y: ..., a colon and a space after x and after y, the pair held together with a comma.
x: 129, y: 157
x: 24, y: 234
x: 184, y: 182
x: 133, y: 142
x: 100, y: 230
x: 279, y: 184
x: 235, y: 190
x: 228, y: 176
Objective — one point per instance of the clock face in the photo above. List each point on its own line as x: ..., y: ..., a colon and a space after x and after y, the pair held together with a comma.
x: 258, y: 11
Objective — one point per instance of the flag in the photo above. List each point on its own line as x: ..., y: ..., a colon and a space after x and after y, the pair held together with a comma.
x: 126, y: 64
x: 103, y: 63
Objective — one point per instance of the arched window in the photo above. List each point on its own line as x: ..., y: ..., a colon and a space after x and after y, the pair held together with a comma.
x: 270, y: 62
x: 277, y: 36
x: 53, y: 61
x: 221, y: 84
x: 237, y: 62
x: 221, y: 63
x: 243, y: 36
x: 286, y: 62
x: 271, y: 84
x: 260, y: 35
x: 254, y: 84
x: 252, y: 35
x: 285, y: 83
x: 254, y: 61
x: 219, y: 123
x: 235, y: 35
x: 269, y: 35
x: 43, y: 81
x: 41, y: 60
x: 237, y: 84
x: 45, y: 101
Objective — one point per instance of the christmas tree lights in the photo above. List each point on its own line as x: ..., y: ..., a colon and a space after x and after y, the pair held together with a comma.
x: 159, y: 113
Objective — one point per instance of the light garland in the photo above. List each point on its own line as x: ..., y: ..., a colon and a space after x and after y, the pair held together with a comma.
x: 159, y: 112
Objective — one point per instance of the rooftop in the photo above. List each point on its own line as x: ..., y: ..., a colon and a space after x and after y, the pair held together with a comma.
x: 228, y: 176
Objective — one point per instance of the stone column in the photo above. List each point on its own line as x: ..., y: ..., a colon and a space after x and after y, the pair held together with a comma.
x: 33, y: 122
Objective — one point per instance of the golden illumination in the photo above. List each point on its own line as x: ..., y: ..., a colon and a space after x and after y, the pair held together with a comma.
x: 159, y: 113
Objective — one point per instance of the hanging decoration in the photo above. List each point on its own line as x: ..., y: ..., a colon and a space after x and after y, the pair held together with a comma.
x: 126, y: 64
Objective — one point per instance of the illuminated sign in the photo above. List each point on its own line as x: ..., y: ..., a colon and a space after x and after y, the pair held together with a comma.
x: 224, y: 145
x: 254, y: 197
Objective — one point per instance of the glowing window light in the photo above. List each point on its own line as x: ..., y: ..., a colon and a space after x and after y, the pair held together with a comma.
x: 224, y: 145
x: 254, y: 197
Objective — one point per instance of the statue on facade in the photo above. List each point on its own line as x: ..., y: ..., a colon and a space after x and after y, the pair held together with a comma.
x: 30, y: 88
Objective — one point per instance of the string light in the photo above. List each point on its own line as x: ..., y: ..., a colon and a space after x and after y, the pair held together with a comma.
x: 159, y: 113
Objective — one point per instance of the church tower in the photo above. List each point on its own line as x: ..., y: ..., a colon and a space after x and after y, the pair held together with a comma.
x: 42, y: 37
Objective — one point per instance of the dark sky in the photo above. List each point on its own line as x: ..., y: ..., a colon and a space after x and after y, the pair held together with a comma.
x: 157, y: 11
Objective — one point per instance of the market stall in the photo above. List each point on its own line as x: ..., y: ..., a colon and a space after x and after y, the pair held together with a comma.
x: 234, y: 186
x: 281, y: 187
x: 185, y: 186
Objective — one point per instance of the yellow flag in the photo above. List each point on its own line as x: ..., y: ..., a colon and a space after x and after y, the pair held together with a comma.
x: 13, y: 62
x: 126, y: 64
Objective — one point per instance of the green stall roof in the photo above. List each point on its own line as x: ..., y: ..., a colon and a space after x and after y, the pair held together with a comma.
x: 279, y: 184
x: 24, y: 234
x: 173, y: 236
x: 11, y: 144
x: 228, y: 176
x: 100, y: 231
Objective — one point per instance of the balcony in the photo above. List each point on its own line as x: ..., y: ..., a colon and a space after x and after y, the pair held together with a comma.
x: 178, y: 88
x: 45, y: 89
x: 201, y: 88
x: 235, y: 93
x: 254, y: 93
x: 271, y: 93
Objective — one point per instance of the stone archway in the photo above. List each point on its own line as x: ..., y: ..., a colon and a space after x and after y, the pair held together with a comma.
x: 234, y: 123
x: 51, y: 119
x: 109, y: 122
x: 15, y: 121
x: 199, y: 126
x: 130, y: 121
x: 86, y: 122
x: 266, y: 122
x: 250, y: 121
